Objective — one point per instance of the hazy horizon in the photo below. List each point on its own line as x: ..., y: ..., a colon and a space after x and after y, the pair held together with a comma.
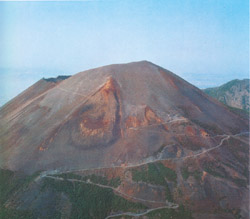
x: 206, y: 43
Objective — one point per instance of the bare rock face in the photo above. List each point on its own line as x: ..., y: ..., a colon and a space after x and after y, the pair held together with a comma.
x: 235, y: 93
x: 126, y: 116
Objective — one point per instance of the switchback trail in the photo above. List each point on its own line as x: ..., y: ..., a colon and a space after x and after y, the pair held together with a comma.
x: 49, y: 174
x: 167, y: 204
x: 226, y: 137
x: 110, y: 187
x: 135, y: 214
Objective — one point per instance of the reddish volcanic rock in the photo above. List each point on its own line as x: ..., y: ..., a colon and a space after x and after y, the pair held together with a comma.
x: 107, y: 116
x: 127, y: 115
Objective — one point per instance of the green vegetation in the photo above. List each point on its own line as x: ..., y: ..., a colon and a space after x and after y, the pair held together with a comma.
x: 196, y: 174
x: 180, y: 192
x: 235, y: 212
x: 216, y: 92
x: 15, y: 214
x: 168, y: 194
x: 9, y: 184
x: 156, y: 173
x: 185, y: 173
x: 90, y: 201
x: 219, y: 93
x: 166, y: 213
x: 115, y: 182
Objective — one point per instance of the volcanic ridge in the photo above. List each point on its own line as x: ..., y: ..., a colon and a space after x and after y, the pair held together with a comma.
x: 158, y: 141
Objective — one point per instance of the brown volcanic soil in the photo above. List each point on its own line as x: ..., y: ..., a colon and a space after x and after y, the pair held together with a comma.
x: 86, y: 120
x: 125, y: 115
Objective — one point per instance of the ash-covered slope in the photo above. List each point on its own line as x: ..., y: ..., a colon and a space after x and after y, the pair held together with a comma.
x: 113, y: 115
x: 122, y: 137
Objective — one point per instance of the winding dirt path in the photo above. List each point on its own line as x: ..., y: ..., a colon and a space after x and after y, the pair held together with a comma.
x: 226, y: 137
x: 116, y: 190
x: 110, y: 187
x: 136, y: 214
x: 49, y: 174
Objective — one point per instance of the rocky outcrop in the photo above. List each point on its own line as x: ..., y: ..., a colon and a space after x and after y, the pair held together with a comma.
x: 234, y: 93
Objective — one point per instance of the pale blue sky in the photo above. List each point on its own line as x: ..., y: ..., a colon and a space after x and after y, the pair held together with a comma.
x: 205, y: 42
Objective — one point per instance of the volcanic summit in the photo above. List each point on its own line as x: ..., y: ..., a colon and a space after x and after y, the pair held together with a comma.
x: 127, y: 115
